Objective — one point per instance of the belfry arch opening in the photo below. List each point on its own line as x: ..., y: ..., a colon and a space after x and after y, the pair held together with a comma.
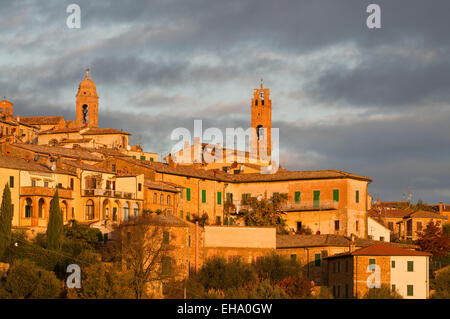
x: 85, y: 113
x: 260, y: 132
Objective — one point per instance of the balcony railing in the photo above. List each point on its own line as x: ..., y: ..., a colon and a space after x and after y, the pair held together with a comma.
x: 319, y: 205
x: 44, y: 191
x: 108, y: 193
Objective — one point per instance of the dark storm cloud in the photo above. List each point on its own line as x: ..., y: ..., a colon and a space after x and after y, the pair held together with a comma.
x: 163, y: 57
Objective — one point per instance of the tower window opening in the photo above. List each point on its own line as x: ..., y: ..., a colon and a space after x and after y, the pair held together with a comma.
x: 85, y: 113
x: 260, y: 132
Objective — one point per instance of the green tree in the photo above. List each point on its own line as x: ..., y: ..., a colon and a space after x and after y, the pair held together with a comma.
x: 264, y: 212
x: 55, y: 228
x: 26, y: 280
x: 384, y: 292
x: 100, y: 281
x: 277, y: 267
x: 296, y: 287
x: 433, y: 240
x: 266, y: 290
x: 216, y: 273
x: 6, y: 214
x: 441, y: 285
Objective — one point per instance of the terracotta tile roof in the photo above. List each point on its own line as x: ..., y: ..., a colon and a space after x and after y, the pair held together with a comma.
x: 382, y: 249
x: 103, y: 131
x: 162, y: 186
x: 425, y: 214
x: 299, y: 241
x: 389, y: 213
x: 25, y: 165
x: 75, y: 140
x: 86, y: 167
x: 61, y: 130
x: 61, y: 151
x: 42, y: 120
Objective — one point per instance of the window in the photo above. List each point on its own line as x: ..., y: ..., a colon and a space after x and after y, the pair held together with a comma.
x: 89, y: 210
x: 28, y: 208
x: 316, y: 196
x: 393, y: 264
x: 73, y: 212
x: 334, y: 267
x: 113, y: 167
x: 410, y: 290
x: 139, y: 187
x: 218, y: 222
x: 126, y: 211
x: 338, y: 266
x: 297, y: 197
x: 293, y: 257
x: 189, y: 241
x: 161, y: 199
x: 46, y: 184
x: 372, y: 261
x: 381, y: 238
x: 166, y: 237
x: 346, y: 266
x: 143, y: 157
x: 357, y: 196
x: 391, y: 225
x: 336, y: 195
x: 168, y: 199
x: 338, y: 290
x: 219, y: 198
x: 419, y: 226
x: 155, y: 198
x: 71, y: 183
x: 410, y: 265
x: 166, y: 266
x: 346, y: 290
x: 41, y: 212
x: 393, y: 288
x: 181, y: 214
x: 336, y: 225
x: 203, y: 195
x: 188, y: 194
x: 134, y: 156
x: 151, y: 159
x: 317, y: 260
x: 11, y: 181
x: 136, y: 210
x: 357, y: 225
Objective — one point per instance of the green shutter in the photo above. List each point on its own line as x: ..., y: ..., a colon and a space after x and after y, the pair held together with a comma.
x: 336, y: 195
x: 410, y: 265
x: 357, y: 196
x: 203, y: 195
x: 316, y: 199
x: 293, y: 257
x: 219, y: 198
x: 410, y: 289
x: 393, y: 288
x: 151, y: 159
x: 297, y: 197
x: 393, y: 263
x: 317, y: 260
x: 188, y: 194
x: 143, y: 157
x: 371, y: 261
x: 11, y: 181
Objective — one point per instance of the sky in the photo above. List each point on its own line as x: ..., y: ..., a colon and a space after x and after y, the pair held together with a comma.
x: 373, y: 102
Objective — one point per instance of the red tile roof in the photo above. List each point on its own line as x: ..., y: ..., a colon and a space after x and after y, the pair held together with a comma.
x: 61, y: 151
x: 380, y: 249
x: 61, y: 131
x: 103, y: 131
x: 42, y: 120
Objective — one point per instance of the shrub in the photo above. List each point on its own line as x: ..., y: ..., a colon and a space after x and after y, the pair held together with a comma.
x: 296, y: 287
x: 100, y: 281
x: 26, y: 280
x: 384, y: 292
x: 266, y: 290
x: 277, y: 267
x: 216, y: 273
x: 441, y: 285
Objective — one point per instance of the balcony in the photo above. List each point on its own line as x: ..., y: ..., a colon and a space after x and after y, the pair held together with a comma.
x: 44, y: 191
x: 108, y: 193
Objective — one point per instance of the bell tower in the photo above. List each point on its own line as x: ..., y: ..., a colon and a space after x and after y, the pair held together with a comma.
x: 87, y: 103
x: 261, y: 123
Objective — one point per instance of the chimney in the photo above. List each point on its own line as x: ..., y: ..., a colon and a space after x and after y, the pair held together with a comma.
x: 441, y: 208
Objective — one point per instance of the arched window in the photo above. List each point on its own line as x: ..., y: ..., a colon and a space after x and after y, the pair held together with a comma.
x: 260, y: 132
x: 85, y: 113
x: 28, y: 208
x: 155, y: 198
x: 41, y: 208
x: 126, y: 212
x: 168, y: 199
x: 136, y: 210
x: 161, y: 199
x: 89, y: 210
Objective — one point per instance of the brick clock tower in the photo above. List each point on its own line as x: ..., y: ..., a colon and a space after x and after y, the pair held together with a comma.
x: 261, y: 122
x: 87, y: 103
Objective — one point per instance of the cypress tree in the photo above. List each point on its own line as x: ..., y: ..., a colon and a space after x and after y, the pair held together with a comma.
x: 55, y: 227
x: 6, y: 215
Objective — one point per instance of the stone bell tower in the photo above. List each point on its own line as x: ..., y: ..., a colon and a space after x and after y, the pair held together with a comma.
x: 87, y: 103
x: 261, y: 122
